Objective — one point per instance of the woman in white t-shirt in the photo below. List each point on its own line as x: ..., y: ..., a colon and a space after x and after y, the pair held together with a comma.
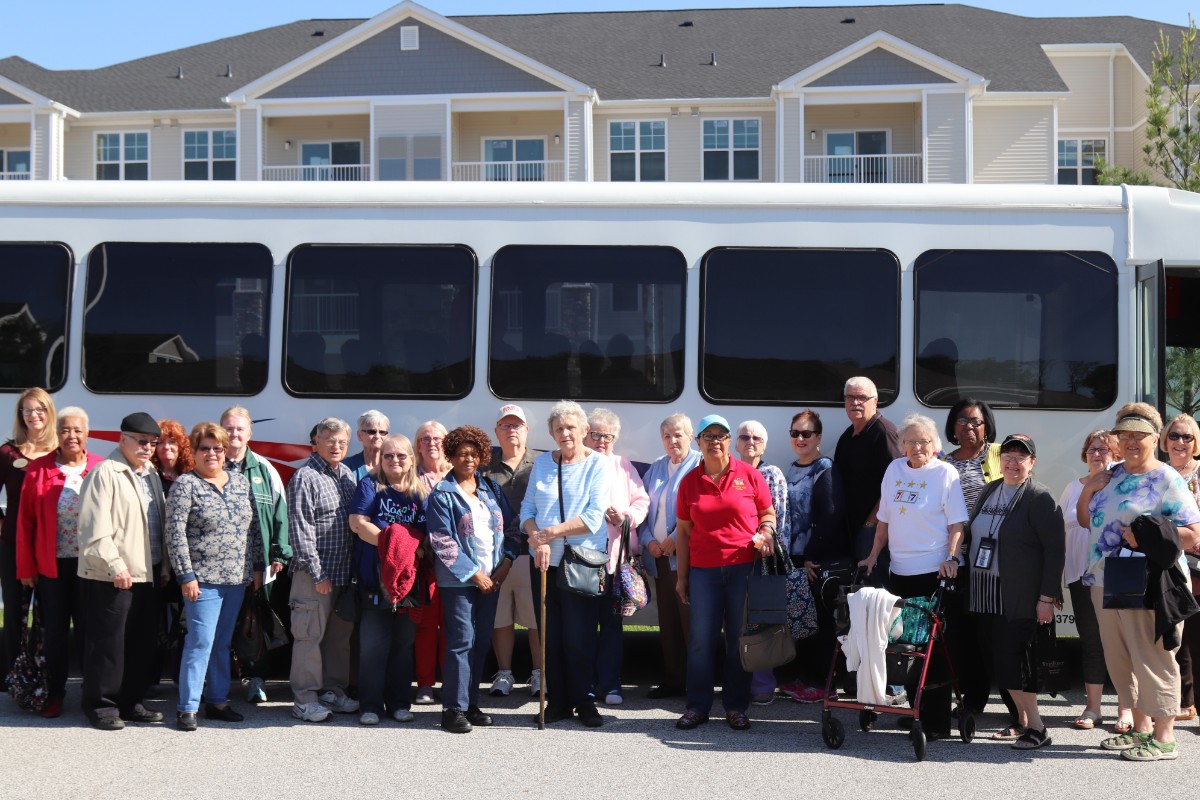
x: 921, y: 516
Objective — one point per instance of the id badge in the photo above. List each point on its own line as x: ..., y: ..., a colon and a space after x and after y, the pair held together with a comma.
x: 987, y: 549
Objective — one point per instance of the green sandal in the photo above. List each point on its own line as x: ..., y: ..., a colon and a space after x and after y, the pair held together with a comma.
x: 1152, y: 751
x: 1126, y: 741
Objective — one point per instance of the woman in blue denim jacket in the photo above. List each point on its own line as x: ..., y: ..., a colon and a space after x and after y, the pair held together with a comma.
x: 472, y: 531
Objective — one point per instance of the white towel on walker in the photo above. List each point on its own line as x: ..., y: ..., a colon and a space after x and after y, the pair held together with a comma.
x: 871, y: 613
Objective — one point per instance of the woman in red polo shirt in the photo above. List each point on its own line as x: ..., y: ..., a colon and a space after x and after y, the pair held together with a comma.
x: 724, y: 514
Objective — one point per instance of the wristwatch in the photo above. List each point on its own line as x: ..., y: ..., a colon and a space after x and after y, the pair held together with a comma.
x: 955, y: 559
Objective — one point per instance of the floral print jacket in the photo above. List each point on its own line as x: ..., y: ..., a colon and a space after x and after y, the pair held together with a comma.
x: 212, y: 535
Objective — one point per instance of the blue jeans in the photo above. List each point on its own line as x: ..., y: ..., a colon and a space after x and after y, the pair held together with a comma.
x: 611, y: 645
x: 211, y: 620
x: 385, y: 657
x: 468, y: 618
x: 717, y: 596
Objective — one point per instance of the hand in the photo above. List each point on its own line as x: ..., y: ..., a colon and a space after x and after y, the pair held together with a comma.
x: 501, y: 573
x: 257, y: 579
x: 539, y: 539
x: 668, y: 546
x: 765, y: 543
x: 324, y: 587
x: 29, y: 582
x: 1097, y: 482
x: 1045, y: 613
x: 276, y: 567
x: 654, y: 549
x: 614, y: 517
x: 123, y: 580
x: 483, y: 582
x: 1128, y: 537
x: 681, y: 589
x: 812, y: 567
x: 190, y: 590
x: 541, y: 557
x: 948, y: 569
x: 869, y: 562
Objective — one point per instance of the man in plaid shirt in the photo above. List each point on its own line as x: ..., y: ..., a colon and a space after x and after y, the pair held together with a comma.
x: 318, y: 498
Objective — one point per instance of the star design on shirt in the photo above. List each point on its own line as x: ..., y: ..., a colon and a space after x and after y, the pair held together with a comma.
x: 902, y: 509
x: 923, y: 484
x: 899, y: 484
x: 912, y: 484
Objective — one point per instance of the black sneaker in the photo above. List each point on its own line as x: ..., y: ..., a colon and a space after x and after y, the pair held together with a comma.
x: 106, y: 722
x: 455, y: 721
x: 139, y: 713
x: 556, y: 714
x: 226, y: 714
x: 589, y: 717
x: 185, y: 720
x: 477, y: 718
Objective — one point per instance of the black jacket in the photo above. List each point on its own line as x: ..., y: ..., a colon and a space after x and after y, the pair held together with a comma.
x: 1168, y: 590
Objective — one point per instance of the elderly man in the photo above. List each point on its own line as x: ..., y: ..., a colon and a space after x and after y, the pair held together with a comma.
x: 509, y: 468
x: 373, y: 428
x: 121, y: 511
x: 271, y: 504
x: 318, y: 503
x: 863, y: 453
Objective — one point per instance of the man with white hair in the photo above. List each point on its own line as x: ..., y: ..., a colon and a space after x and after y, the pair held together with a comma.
x: 373, y: 429
x: 862, y: 456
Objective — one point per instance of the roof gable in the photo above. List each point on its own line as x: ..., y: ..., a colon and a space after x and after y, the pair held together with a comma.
x: 881, y: 59
x: 879, y: 67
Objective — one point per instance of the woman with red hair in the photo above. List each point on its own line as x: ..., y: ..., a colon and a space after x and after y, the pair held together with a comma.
x: 173, y: 455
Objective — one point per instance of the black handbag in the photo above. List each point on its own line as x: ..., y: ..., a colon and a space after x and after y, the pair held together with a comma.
x: 582, y: 570
x: 259, y: 630
x: 1053, y: 676
x: 1125, y: 580
x: 763, y: 647
x: 767, y: 589
x: 347, y: 605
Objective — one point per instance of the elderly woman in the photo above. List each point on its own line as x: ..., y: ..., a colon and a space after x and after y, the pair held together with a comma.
x: 432, y: 466
x: 1182, y: 447
x: 726, y: 516
x: 386, y: 630
x: 564, y: 505
x: 1016, y: 561
x: 1140, y: 659
x: 921, y: 516
x: 750, y: 446
x: 33, y: 436
x: 628, y: 501
x: 817, y: 538
x: 467, y: 516
x: 657, y: 537
x: 1098, y: 452
x: 173, y: 456
x: 211, y: 536
x: 48, y: 545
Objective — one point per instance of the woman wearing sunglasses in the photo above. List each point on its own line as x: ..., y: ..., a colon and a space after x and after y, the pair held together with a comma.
x: 1182, y: 446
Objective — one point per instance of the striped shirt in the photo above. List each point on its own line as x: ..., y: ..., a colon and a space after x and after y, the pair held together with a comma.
x: 153, y: 519
x: 585, y: 495
x: 318, y: 499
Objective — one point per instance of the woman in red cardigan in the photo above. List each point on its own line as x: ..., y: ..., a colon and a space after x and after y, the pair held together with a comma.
x: 48, y: 544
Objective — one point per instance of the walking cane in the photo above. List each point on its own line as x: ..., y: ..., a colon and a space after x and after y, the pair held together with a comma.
x: 542, y: 637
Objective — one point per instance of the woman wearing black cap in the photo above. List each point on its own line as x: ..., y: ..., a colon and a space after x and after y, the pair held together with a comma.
x: 1016, y: 563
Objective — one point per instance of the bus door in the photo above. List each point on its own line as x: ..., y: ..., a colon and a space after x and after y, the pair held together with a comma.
x: 1150, y: 346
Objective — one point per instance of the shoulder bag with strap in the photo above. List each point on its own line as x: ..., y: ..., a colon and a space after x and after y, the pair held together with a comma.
x: 633, y: 581
x: 582, y: 570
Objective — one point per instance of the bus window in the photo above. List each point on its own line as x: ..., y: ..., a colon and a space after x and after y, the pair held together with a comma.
x: 587, y: 323
x: 380, y: 321
x: 34, y: 297
x: 790, y: 326
x: 1019, y: 329
x: 177, y: 318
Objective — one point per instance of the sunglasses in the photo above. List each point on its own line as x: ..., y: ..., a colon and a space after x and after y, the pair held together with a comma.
x: 745, y: 437
x: 1181, y: 437
x: 374, y: 432
x: 795, y: 434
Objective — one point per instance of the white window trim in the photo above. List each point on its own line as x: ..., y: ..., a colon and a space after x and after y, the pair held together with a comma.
x: 211, y: 148
x: 121, y: 162
x: 1079, y: 168
x: 731, y: 149
x: 299, y: 148
x: 637, y: 149
x: 4, y: 151
x: 545, y: 140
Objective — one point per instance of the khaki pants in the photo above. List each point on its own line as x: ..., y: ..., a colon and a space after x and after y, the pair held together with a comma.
x: 321, y: 653
x: 1145, y: 675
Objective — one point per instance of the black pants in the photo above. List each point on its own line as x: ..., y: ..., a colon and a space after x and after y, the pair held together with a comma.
x: 13, y: 594
x: 121, y: 633
x: 571, y: 641
x: 61, y: 600
x: 992, y: 635
x: 935, y: 702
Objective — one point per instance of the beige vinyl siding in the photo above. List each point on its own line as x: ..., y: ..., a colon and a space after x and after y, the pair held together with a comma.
x: 342, y: 128
x: 1130, y: 93
x: 1121, y: 150
x: 249, y: 140
x: 793, y: 141
x: 903, y: 120
x: 15, y: 136
x: 166, y: 154
x: 685, y: 141
x: 42, y: 140
x: 412, y: 120
x: 685, y: 137
x: 470, y: 129
x: 946, y: 115
x: 575, y: 141
x: 79, y: 151
x: 1014, y: 144
x: 1087, y: 77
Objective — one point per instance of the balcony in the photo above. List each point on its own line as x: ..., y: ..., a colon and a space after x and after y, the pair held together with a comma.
x: 507, y: 171
x: 890, y: 168
x: 318, y: 172
x: 14, y: 176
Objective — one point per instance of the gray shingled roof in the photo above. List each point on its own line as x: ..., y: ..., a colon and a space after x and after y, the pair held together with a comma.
x: 617, y: 53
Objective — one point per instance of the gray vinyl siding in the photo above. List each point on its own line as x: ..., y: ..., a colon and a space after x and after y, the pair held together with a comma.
x: 576, y: 142
x: 1014, y: 144
x: 793, y: 141
x: 946, y: 138
x: 441, y: 65
x: 879, y: 67
x: 166, y: 154
x: 42, y: 141
x: 248, y: 143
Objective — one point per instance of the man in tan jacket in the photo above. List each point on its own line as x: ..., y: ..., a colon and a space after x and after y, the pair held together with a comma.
x: 121, y: 513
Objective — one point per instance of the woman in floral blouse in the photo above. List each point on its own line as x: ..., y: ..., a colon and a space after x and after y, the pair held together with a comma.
x: 210, y: 532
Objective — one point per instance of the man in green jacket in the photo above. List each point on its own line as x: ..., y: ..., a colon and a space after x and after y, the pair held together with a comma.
x: 270, y: 500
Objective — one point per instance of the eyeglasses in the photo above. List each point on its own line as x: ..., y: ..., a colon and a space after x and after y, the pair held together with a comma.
x: 601, y: 437
x: 964, y: 422
x: 795, y: 434
x: 38, y: 411
x: 141, y: 442
x: 510, y: 426
x: 215, y: 449
x: 1097, y: 451
x: 1181, y: 437
x: 374, y: 432
x: 431, y: 440
x: 918, y: 442
x: 745, y: 437
x: 1136, y: 436
x: 1014, y: 458
x: 395, y: 456
x: 859, y: 399
x: 714, y: 438
x: 335, y: 442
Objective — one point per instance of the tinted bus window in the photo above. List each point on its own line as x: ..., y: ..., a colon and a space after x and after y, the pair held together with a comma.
x: 1016, y: 329
x: 174, y: 318
x: 790, y: 326
x: 380, y: 320
x: 34, y: 297
x: 588, y: 323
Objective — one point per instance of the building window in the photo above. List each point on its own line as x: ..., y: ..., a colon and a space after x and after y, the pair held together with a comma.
x: 514, y: 159
x: 15, y: 164
x: 209, y: 155
x: 122, y: 156
x: 1077, y: 160
x: 637, y: 150
x: 333, y: 161
x: 35, y: 295
x: 731, y: 149
x: 410, y: 158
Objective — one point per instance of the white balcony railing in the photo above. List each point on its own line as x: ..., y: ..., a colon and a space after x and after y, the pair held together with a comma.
x: 324, y: 172
x: 507, y: 171
x: 14, y: 176
x: 891, y: 168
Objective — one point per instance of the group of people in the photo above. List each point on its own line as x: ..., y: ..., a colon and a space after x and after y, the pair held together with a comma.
x: 434, y: 548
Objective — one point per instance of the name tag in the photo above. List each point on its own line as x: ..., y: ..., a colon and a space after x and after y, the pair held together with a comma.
x: 739, y: 484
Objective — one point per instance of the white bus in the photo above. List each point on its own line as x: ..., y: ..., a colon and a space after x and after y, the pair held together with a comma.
x: 441, y: 301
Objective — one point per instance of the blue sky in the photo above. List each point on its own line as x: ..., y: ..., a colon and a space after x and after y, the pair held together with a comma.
x: 82, y: 34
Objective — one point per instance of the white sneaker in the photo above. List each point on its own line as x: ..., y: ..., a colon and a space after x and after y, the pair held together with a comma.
x: 368, y: 718
x: 502, y: 683
x: 535, y: 682
x: 339, y: 703
x: 613, y: 699
x: 424, y: 696
x: 310, y: 712
x: 256, y: 691
x: 403, y: 715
